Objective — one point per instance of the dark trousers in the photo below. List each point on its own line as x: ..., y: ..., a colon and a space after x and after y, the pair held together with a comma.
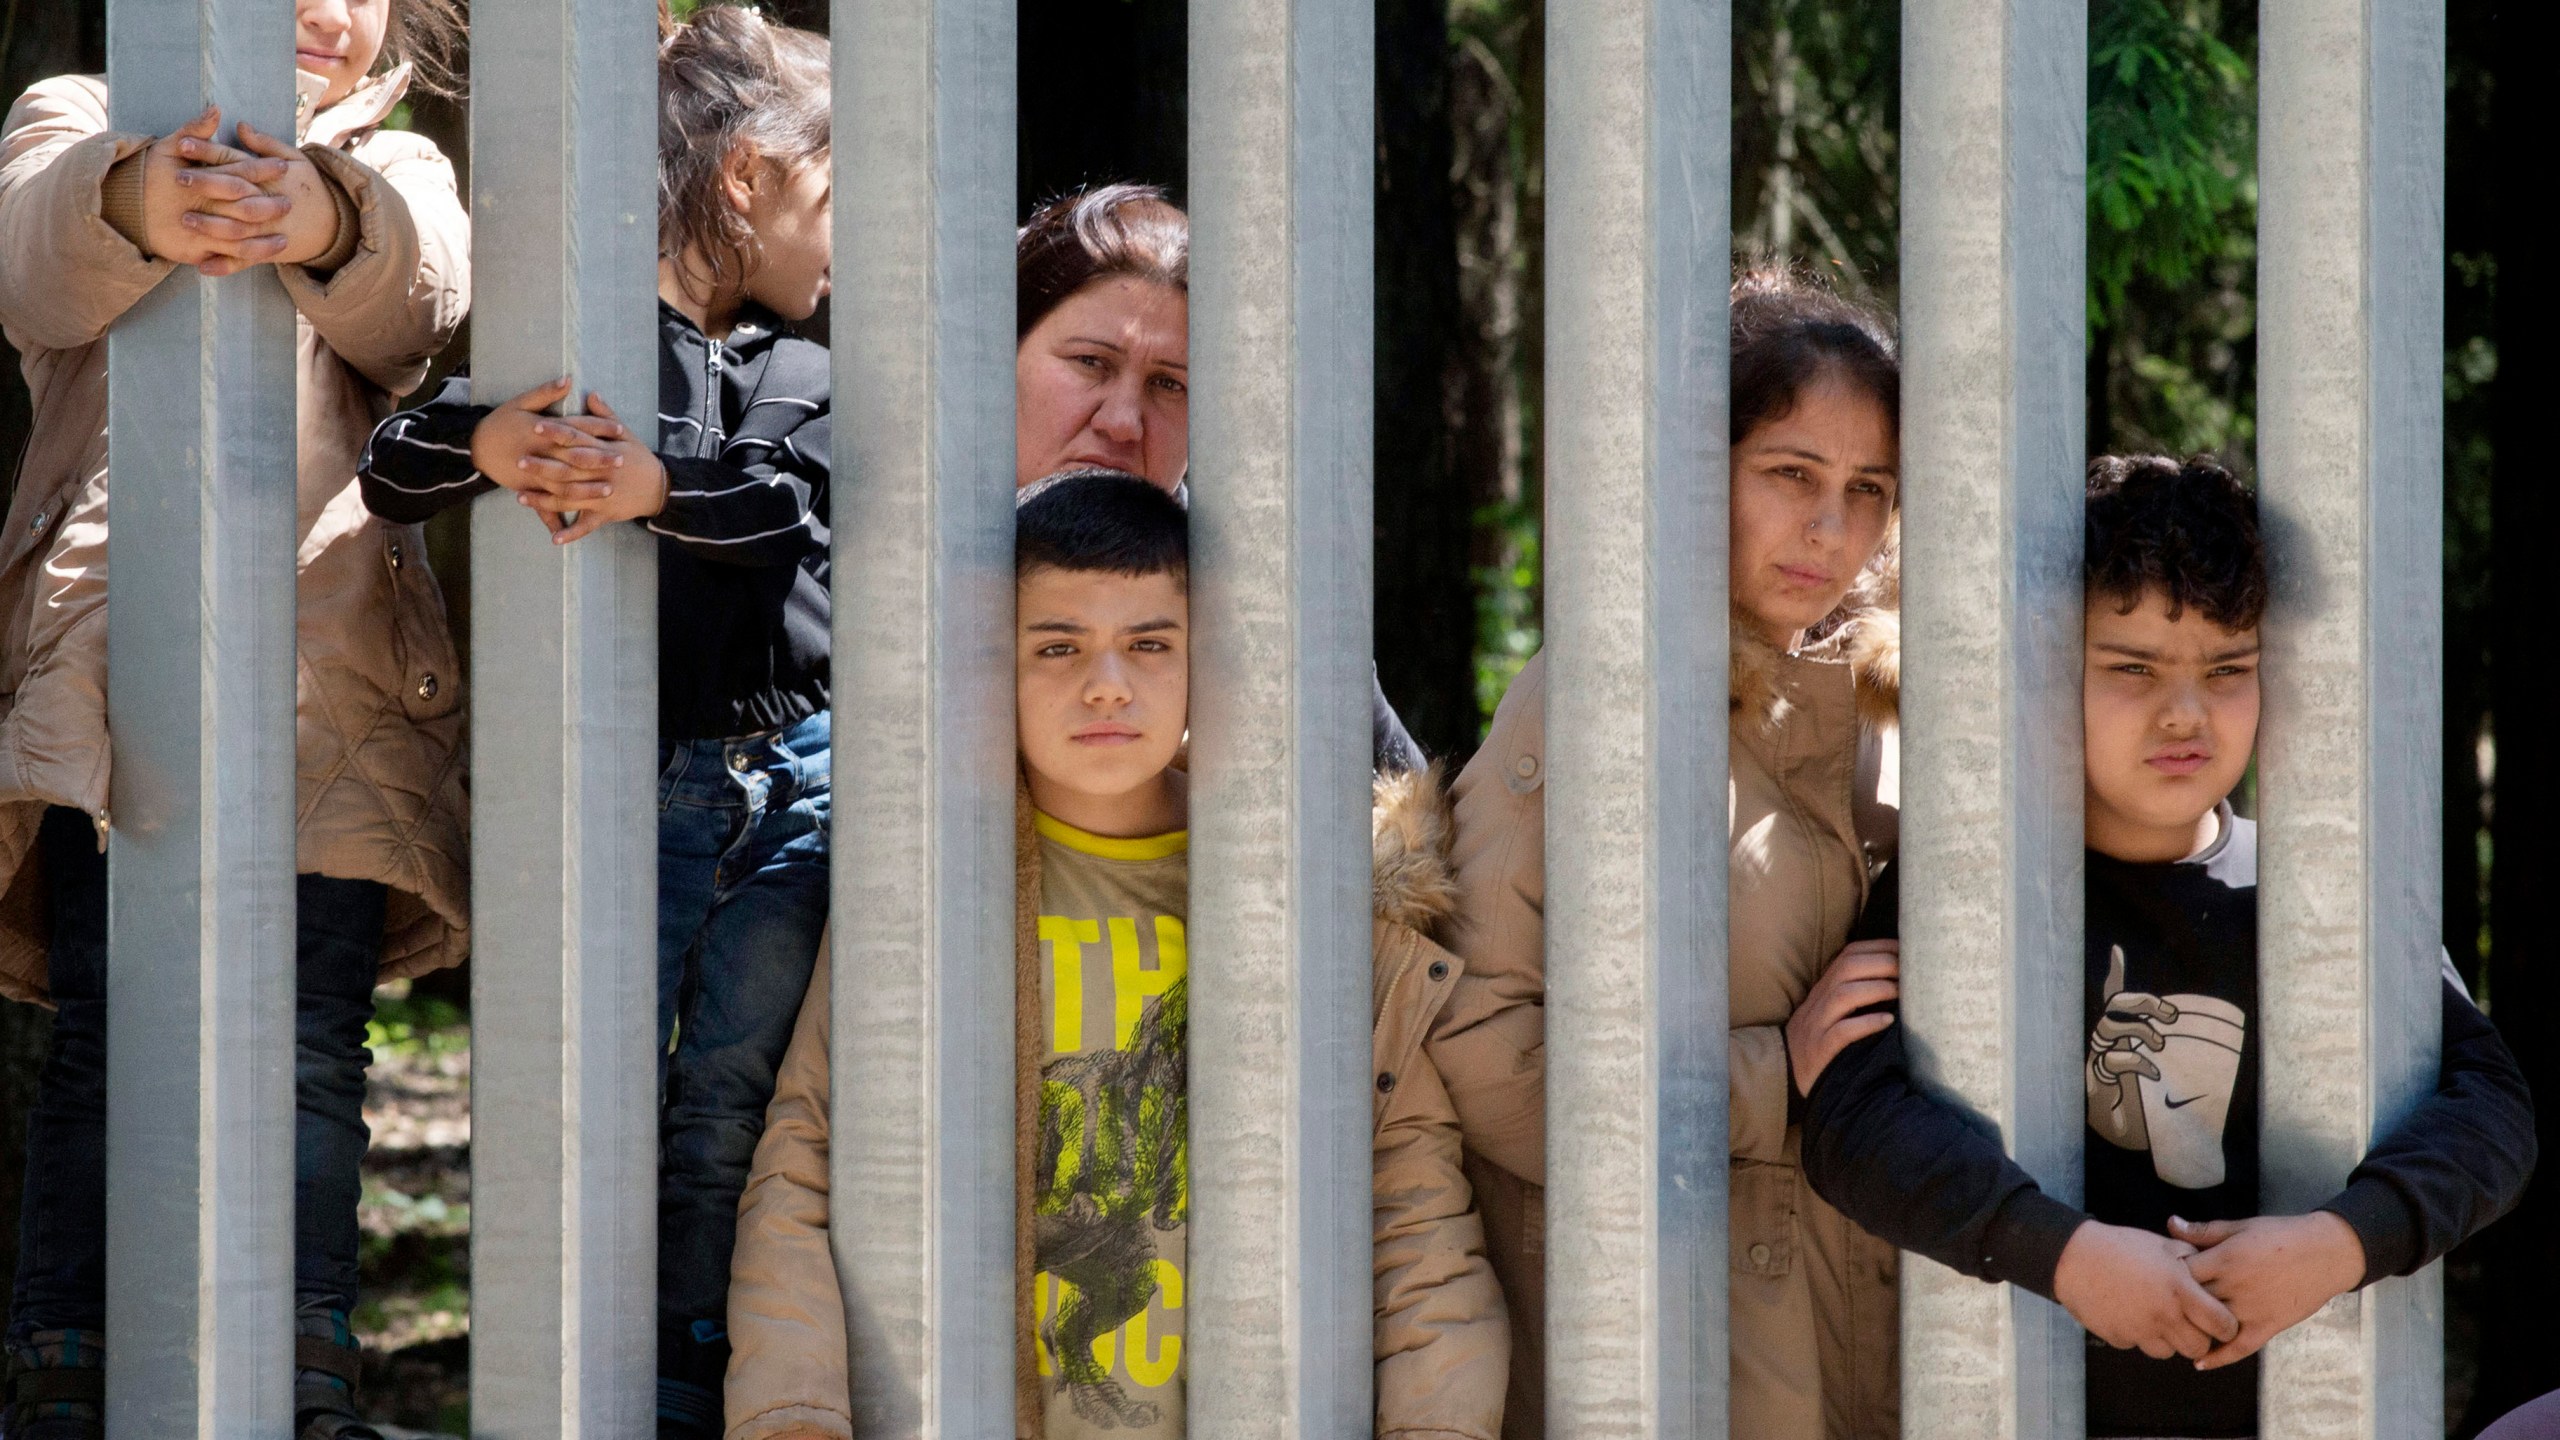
x: 742, y: 901
x: 62, y: 1225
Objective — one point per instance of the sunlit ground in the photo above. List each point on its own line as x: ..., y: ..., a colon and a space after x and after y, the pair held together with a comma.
x: 415, y: 1311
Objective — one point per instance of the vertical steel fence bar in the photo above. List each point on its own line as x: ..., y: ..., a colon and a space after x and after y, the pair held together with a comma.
x: 2351, y: 425
x: 1282, y: 121
x: 922, y: 1198
x: 1993, y: 268
x: 200, y: 397
x: 1638, y: 227
x: 564, y: 752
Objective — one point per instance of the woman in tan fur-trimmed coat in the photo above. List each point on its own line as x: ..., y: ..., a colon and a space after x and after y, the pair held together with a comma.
x: 1441, y: 1339
x: 1813, y: 1320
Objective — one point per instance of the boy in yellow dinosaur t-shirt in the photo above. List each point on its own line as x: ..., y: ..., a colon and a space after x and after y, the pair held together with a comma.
x: 1102, y: 676
x: 1102, y: 1194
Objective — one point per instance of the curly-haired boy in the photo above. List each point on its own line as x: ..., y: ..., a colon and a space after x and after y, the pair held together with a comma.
x: 2170, y: 1264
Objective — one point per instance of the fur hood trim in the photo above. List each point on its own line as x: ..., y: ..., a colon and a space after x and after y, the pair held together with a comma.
x: 1865, y: 634
x: 1409, y: 831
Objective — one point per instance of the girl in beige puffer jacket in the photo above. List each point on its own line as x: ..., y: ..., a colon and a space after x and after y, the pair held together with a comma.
x: 1813, y: 1325
x: 368, y: 238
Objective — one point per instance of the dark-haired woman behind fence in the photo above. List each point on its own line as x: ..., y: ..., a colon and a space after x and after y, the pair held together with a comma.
x: 1102, y: 350
x: 1815, y: 676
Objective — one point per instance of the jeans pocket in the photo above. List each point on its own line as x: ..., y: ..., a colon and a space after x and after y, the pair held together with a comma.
x: 671, y: 767
x: 811, y: 813
x: 816, y: 773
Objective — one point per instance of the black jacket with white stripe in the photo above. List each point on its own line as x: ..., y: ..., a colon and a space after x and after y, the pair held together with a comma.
x: 744, y: 430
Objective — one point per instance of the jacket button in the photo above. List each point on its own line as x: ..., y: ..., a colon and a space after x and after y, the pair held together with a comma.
x: 36, y: 525
x: 427, y: 687
x: 397, y: 559
x: 1525, y: 767
x: 1439, y: 969
x: 1386, y: 1083
x: 1760, y: 1253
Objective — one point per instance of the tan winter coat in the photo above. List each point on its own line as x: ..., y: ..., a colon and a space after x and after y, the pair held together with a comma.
x: 1441, y: 1342
x: 378, y: 736
x: 1814, y: 1323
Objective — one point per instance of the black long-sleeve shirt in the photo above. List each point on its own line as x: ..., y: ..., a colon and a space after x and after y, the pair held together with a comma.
x: 744, y: 430
x: 2170, y: 1082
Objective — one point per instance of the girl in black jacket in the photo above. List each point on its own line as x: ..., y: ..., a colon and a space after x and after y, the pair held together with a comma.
x: 736, y: 490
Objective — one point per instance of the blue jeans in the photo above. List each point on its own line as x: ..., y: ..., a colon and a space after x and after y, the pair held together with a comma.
x: 62, y: 1224
x: 742, y: 900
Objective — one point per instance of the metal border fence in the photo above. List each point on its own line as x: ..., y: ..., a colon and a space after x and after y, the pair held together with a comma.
x: 565, y: 1133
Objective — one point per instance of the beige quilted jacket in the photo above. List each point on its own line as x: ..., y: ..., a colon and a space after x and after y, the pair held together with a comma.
x: 1441, y: 1339
x: 1814, y: 1321
x: 378, y: 742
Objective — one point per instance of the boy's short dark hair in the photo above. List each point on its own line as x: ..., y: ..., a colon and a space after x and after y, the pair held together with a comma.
x: 2186, y: 529
x: 1101, y: 520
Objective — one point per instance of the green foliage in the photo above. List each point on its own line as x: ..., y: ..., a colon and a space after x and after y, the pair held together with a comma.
x: 1816, y: 132
x: 1498, y: 116
x: 1817, y: 109
x: 417, y: 1024
x: 1508, y: 628
x: 2173, y: 213
x: 2172, y: 137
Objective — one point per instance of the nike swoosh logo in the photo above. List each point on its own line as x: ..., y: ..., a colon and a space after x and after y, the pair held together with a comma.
x: 2190, y: 1100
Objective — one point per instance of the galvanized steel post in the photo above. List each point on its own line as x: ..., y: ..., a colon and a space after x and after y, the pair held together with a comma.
x: 200, y: 1110
x: 1282, y: 121
x: 564, y: 744
x: 1993, y: 266
x: 2350, y: 452
x: 922, y: 1198
x: 1638, y: 231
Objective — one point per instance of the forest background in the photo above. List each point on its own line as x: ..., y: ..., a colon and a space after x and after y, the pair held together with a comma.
x: 1460, y: 340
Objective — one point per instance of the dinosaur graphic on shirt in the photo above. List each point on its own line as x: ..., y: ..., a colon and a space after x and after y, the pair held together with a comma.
x: 1114, y: 1150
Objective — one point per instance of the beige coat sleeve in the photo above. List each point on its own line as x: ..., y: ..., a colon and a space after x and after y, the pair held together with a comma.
x: 65, y: 274
x: 1489, y: 1042
x: 1443, y: 1341
x: 786, y: 1313
x: 396, y: 303
x: 1758, y: 1085
x: 67, y: 668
